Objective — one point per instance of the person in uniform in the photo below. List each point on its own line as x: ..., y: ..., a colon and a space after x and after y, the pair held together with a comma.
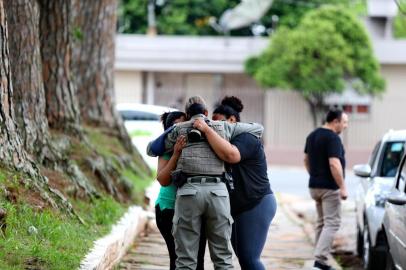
x: 202, y: 195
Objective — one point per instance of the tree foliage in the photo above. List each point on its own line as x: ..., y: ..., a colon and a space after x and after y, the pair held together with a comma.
x: 290, y: 12
x: 327, y: 50
x: 181, y: 17
x: 174, y: 17
x: 399, y: 26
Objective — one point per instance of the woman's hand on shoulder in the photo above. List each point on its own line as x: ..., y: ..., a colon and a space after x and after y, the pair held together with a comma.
x: 180, y: 144
x: 201, y: 125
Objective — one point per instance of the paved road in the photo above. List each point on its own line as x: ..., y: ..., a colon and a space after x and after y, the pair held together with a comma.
x: 287, y: 247
x: 294, y: 180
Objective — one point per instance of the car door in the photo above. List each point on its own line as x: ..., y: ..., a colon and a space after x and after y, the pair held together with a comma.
x: 396, y: 214
x: 364, y: 184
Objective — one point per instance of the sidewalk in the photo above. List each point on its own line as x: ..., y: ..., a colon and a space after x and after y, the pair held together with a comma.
x: 287, y: 246
x: 344, y: 245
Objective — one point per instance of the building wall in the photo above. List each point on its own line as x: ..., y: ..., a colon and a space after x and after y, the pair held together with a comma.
x: 386, y: 111
x: 288, y: 121
x: 128, y: 86
x: 250, y: 93
x: 285, y: 115
x: 173, y: 89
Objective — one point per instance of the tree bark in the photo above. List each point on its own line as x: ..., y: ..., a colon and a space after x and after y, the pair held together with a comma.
x: 317, y: 109
x: 93, y: 54
x: 93, y: 65
x: 11, y: 150
x: 29, y: 95
x: 56, y: 51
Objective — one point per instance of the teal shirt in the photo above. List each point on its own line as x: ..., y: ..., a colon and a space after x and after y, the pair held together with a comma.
x: 167, y: 195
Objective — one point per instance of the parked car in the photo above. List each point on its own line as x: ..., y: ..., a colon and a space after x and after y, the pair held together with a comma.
x: 142, y: 122
x: 375, y: 181
x: 394, y: 222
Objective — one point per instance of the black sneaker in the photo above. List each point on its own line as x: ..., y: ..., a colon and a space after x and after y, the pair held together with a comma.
x: 319, y: 266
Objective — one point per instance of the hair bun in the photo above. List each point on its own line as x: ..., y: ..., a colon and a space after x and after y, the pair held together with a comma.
x: 233, y: 102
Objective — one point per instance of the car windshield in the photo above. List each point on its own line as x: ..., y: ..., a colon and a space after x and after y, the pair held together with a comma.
x: 391, y: 158
x: 133, y: 115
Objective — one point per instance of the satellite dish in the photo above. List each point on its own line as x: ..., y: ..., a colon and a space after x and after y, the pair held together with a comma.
x: 245, y: 13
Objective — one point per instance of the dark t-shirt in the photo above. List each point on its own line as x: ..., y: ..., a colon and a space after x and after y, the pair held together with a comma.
x: 250, y: 175
x: 321, y: 145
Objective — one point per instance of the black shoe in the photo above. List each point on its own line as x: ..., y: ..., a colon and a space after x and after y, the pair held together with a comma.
x: 319, y: 266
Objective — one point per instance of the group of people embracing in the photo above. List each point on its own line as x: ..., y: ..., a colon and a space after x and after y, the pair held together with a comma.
x: 214, y: 186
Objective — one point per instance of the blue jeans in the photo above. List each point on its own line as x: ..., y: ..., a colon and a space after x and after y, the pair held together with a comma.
x: 249, y: 233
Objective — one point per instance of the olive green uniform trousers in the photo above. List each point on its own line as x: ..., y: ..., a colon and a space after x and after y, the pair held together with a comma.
x: 196, y: 202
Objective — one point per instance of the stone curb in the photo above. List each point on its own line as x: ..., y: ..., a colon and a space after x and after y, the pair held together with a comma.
x: 110, y: 249
x: 308, y: 229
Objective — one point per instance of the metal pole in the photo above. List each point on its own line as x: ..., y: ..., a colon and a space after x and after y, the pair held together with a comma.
x: 151, y: 18
x: 150, y: 85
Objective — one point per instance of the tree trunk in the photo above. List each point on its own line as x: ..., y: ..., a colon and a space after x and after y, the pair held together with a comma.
x: 56, y: 51
x: 93, y: 65
x: 317, y: 109
x: 11, y: 150
x: 29, y: 95
x: 93, y: 54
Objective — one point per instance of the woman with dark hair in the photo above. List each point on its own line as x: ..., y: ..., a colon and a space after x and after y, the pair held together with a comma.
x: 165, y: 203
x: 253, y: 204
x: 229, y: 110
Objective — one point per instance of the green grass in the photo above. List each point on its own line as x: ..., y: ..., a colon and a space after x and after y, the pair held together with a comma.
x: 61, y: 242
x: 108, y: 147
x: 140, y: 133
x: 2, y: 175
x: 139, y: 184
x: 105, y: 145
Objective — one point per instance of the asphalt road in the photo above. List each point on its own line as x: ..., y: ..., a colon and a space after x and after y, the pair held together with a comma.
x: 294, y: 180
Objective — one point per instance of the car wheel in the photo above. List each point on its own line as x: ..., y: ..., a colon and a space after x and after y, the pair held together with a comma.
x: 360, y: 242
x: 373, y: 259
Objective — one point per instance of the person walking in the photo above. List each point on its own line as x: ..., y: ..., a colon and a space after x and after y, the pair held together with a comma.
x: 253, y: 205
x: 325, y: 162
x: 202, y: 194
x: 165, y: 203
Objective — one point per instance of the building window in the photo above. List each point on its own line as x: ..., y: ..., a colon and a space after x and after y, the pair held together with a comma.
x: 356, y: 111
x: 347, y: 109
x: 356, y: 105
x: 362, y: 109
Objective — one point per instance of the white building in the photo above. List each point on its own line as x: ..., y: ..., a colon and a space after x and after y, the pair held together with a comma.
x: 164, y: 70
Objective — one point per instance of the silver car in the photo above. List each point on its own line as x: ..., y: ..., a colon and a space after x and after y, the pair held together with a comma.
x: 394, y: 222
x: 376, y: 178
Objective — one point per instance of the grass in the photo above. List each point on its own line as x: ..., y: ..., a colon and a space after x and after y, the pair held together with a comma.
x: 108, y: 147
x: 139, y: 184
x: 60, y: 241
x: 105, y: 145
x: 140, y: 133
x: 2, y: 175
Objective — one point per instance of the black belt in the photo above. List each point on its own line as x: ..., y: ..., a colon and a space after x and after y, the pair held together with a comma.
x: 205, y: 179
